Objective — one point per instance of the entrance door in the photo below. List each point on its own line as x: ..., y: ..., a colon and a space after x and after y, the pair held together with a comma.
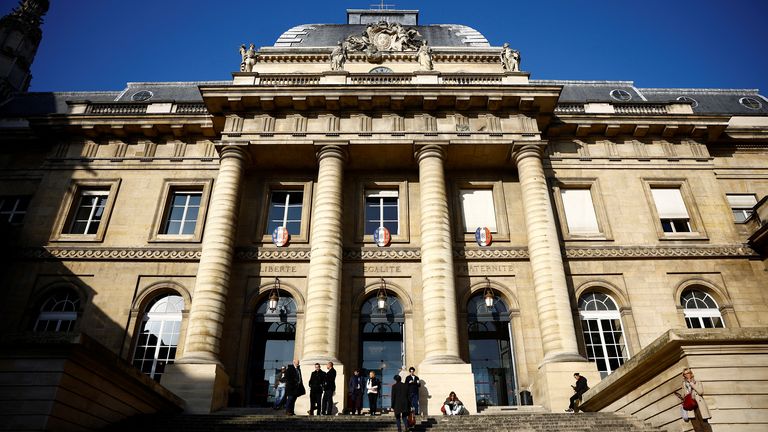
x: 381, y: 344
x: 491, y: 353
x: 272, y: 346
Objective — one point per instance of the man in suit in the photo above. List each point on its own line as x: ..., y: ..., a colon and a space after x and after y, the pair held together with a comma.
x: 400, y: 403
x: 356, y: 387
x: 579, y: 389
x: 330, y: 388
x: 293, y: 386
x: 316, y: 383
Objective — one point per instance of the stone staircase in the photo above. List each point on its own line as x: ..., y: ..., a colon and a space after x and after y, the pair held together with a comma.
x: 228, y: 421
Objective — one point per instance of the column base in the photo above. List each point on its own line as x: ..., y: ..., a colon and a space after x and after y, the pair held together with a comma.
x: 204, y: 387
x: 552, y: 386
x: 339, y: 397
x: 439, y: 380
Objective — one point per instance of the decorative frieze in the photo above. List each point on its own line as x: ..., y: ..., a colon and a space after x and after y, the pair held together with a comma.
x: 386, y: 254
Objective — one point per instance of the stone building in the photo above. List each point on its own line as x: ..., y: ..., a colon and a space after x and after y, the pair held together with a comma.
x: 382, y: 194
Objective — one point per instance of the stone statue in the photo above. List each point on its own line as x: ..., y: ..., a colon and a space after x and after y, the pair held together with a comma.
x: 248, y: 58
x: 338, y: 57
x: 384, y: 36
x: 424, y: 56
x: 510, y: 59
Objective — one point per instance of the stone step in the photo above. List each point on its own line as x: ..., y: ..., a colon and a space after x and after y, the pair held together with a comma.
x: 251, y: 421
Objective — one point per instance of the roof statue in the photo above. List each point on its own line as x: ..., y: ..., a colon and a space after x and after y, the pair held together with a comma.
x: 248, y: 58
x: 31, y: 11
x: 424, y: 57
x: 338, y: 57
x: 510, y: 59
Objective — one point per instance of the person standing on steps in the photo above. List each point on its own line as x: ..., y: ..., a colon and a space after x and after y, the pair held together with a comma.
x: 294, y: 387
x: 330, y: 388
x: 316, y: 384
x: 400, y: 402
x: 372, y: 386
x: 579, y: 389
x: 280, y: 388
x: 413, y: 383
x: 356, y: 386
x: 700, y: 415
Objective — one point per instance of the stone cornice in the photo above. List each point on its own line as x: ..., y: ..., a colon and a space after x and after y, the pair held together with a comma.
x: 384, y: 254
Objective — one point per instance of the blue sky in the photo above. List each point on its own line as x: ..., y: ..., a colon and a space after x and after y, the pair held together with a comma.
x: 102, y: 44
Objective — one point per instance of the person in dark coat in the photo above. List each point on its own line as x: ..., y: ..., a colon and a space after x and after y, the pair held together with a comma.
x: 355, y: 389
x: 294, y: 386
x: 329, y: 389
x: 413, y: 383
x: 400, y: 402
x: 316, y: 384
x: 579, y: 389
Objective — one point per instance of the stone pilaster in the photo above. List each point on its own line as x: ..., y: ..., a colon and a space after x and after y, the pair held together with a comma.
x: 321, y: 338
x: 441, y: 342
x: 208, y: 390
x: 552, y: 298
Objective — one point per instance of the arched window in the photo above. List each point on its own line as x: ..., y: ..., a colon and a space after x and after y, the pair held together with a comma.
x: 58, y: 312
x: 700, y: 310
x: 159, y: 336
x: 603, y: 337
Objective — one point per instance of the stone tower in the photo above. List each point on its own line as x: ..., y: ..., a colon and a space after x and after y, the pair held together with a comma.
x: 20, y: 35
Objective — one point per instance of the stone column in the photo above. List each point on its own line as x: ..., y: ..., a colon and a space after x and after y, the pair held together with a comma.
x: 442, y: 369
x: 552, y: 298
x: 198, y: 377
x: 321, y: 333
x: 561, y: 353
x: 438, y: 283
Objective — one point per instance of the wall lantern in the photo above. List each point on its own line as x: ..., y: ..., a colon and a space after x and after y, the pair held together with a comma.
x: 382, y: 295
x: 488, y: 294
x: 274, y: 296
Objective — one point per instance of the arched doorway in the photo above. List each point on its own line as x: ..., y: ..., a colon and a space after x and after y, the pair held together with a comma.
x: 382, y: 347
x: 491, y: 352
x: 272, y: 346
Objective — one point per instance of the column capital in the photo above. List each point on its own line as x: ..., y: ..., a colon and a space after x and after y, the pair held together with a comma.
x: 526, y: 149
x: 429, y: 150
x: 338, y: 151
x: 234, y: 151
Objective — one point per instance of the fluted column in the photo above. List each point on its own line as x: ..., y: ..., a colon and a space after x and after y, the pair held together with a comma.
x: 206, y: 315
x: 321, y: 338
x: 552, y: 298
x: 441, y: 345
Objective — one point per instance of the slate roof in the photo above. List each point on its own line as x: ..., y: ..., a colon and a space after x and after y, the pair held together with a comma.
x: 708, y: 101
x: 325, y: 35
x: 167, y: 91
x: 42, y: 103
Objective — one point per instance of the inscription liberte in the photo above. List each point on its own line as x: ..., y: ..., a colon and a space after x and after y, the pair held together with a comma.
x: 279, y: 268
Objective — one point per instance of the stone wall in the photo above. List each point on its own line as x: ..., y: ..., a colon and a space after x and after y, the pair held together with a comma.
x: 73, y: 385
x: 732, y: 364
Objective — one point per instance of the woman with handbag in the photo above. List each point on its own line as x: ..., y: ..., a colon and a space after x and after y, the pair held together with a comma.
x: 694, y: 406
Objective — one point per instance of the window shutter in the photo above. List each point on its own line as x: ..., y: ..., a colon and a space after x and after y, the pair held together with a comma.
x: 670, y: 204
x: 741, y: 200
x: 478, y: 209
x: 579, y: 211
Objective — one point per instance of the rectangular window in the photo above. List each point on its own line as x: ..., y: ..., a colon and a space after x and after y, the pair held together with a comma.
x: 88, y: 212
x: 285, y: 209
x: 672, y: 211
x: 741, y: 206
x: 13, y: 209
x: 579, y: 211
x: 382, y: 209
x: 478, y: 209
x: 182, y: 214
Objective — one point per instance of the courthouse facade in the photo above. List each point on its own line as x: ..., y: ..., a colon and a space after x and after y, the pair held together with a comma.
x: 382, y: 194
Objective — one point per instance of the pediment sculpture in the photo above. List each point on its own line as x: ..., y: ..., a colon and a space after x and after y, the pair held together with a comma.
x: 384, y: 36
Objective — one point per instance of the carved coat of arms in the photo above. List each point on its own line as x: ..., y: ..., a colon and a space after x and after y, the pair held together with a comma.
x: 384, y: 36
